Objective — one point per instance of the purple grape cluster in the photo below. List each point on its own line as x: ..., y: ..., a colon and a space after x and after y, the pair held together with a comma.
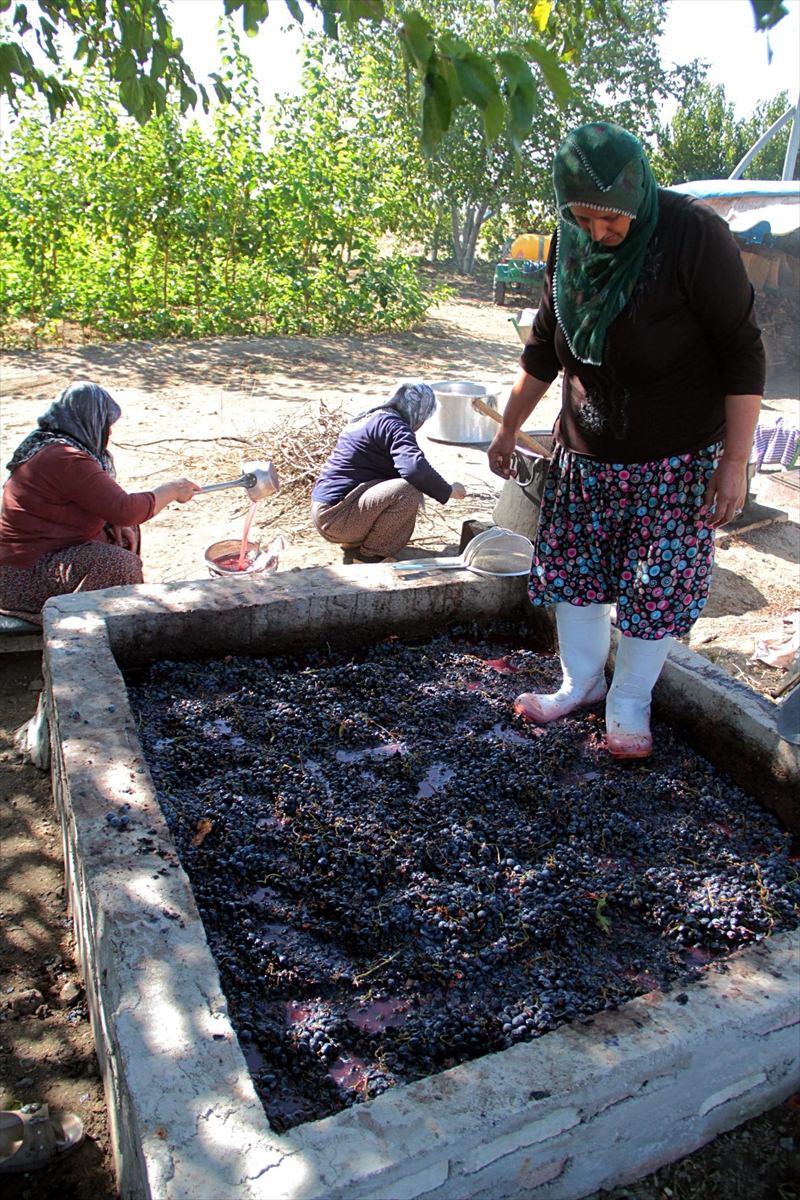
x: 397, y: 875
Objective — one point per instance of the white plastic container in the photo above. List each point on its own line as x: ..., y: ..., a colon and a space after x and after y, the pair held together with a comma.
x: 455, y: 420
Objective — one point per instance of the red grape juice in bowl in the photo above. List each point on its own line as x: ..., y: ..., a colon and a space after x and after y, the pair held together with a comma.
x: 225, y: 560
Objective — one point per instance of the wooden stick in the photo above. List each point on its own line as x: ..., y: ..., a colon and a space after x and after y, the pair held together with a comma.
x: 524, y: 439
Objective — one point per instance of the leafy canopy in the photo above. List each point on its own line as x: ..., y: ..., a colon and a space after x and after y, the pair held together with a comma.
x: 134, y: 44
x: 173, y: 229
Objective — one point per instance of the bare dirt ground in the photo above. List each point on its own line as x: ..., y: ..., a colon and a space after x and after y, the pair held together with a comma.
x: 198, y: 408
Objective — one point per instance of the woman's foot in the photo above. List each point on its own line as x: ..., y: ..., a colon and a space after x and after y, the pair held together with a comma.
x: 544, y: 708
x: 636, y: 670
x: 584, y: 633
x: 362, y: 557
x: 629, y: 738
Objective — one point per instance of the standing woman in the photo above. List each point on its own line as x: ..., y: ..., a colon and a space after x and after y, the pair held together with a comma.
x: 648, y: 310
x: 65, y: 525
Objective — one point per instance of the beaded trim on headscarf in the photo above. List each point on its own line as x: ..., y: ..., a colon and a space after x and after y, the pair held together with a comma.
x: 562, y: 324
x: 79, y: 419
x: 622, y: 212
x: 588, y: 168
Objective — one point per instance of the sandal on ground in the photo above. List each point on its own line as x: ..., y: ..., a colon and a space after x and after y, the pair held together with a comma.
x: 32, y: 1136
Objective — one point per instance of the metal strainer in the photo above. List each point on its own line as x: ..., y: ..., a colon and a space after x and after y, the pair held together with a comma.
x: 496, y: 551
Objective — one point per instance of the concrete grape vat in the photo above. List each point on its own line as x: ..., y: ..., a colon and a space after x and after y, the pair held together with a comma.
x: 579, y: 1108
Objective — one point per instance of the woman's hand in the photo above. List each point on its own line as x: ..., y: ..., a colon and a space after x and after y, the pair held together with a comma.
x: 458, y: 491
x: 177, y: 489
x: 184, y: 489
x: 500, y: 453
x: 726, y: 491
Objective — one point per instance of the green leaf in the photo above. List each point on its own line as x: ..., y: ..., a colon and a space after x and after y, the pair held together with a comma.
x: 448, y: 72
x: 521, y: 88
x: 188, y: 97
x: 295, y: 10
x: 476, y: 77
x: 157, y: 94
x: 330, y: 25
x: 416, y: 39
x: 521, y: 107
x: 437, y: 109
x: 361, y: 10
x: 124, y: 67
x: 514, y: 68
x: 131, y: 93
x: 50, y: 33
x: 254, y: 14
x: 541, y: 14
x: 554, y: 74
x: 494, y: 117
x: 599, y: 914
x: 14, y: 61
x: 159, y: 61
x: 451, y: 44
x: 223, y: 92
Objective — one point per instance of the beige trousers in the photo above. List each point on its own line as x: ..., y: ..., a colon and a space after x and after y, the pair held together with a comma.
x: 378, y: 517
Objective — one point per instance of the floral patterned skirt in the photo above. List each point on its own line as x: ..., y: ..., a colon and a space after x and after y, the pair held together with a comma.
x: 631, y: 535
x: 83, y: 568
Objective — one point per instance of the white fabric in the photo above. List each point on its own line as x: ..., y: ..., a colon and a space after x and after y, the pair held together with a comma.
x: 32, y: 740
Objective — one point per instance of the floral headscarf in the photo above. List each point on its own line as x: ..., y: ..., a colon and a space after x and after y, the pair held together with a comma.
x: 604, y: 167
x: 80, y: 418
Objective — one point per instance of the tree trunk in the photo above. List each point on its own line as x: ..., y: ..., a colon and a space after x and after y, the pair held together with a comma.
x: 458, y: 239
x: 465, y: 237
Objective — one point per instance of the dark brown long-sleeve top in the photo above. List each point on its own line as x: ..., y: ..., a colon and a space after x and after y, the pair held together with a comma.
x: 686, y: 339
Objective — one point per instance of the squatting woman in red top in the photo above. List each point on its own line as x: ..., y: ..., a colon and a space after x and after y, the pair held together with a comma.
x: 65, y: 524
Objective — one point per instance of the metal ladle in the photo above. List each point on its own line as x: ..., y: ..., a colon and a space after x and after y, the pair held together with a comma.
x: 259, y: 480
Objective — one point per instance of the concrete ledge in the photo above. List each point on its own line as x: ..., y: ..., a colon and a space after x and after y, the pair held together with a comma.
x: 733, y: 726
x: 583, y: 1107
x: 221, y: 616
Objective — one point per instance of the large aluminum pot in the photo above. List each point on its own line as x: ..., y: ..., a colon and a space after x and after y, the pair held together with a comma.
x: 455, y: 420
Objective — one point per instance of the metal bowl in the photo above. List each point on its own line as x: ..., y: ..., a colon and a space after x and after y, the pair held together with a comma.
x: 232, y: 546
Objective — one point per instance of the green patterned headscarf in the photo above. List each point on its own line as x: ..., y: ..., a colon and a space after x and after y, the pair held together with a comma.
x: 599, y: 166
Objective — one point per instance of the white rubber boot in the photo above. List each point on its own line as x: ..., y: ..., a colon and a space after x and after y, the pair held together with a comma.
x: 584, y: 636
x: 636, y: 670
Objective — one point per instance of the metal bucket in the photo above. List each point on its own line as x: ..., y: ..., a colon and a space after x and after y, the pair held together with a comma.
x: 523, y: 323
x: 455, y: 420
x: 519, y: 503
